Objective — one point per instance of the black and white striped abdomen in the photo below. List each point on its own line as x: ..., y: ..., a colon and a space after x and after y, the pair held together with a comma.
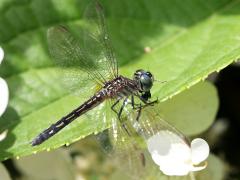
x: 64, y: 121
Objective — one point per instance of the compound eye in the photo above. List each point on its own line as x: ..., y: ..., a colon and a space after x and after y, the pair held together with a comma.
x: 149, y: 74
x: 146, y: 82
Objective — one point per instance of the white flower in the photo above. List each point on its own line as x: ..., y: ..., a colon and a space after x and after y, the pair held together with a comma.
x: 3, y: 135
x: 3, y: 89
x: 4, y: 94
x: 1, y: 54
x: 174, y: 156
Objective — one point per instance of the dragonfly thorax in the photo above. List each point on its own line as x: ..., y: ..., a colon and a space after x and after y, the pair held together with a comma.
x: 144, y: 80
x: 119, y: 87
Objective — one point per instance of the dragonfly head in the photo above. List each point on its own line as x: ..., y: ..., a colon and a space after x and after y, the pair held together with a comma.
x: 144, y: 79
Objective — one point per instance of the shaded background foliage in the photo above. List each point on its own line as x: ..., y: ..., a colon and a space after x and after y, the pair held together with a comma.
x: 188, y: 41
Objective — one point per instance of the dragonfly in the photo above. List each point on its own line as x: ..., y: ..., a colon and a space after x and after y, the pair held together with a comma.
x: 93, y: 64
x: 101, y: 67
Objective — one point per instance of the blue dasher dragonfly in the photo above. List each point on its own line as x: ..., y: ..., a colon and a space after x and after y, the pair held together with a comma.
x: 92, y: 63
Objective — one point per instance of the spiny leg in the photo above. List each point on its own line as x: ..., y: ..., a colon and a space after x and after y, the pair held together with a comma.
x: 139, y: 113
x: 122, y: 107
x: 112, y: 107
x: 137, y: 106
x: 120, y: 112
x: 133, y: 103
x: 146, y: 102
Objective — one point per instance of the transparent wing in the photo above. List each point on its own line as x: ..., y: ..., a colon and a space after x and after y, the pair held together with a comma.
x: 128, y: 143
x: 68, y: 53
x: 76, y: 68
x: 151, y: 123
x: 126, y: 149
x: 97, y: 40
x: 85, y: 58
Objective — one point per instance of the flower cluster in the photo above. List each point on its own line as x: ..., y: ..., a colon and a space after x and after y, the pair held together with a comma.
x: 176, y: 157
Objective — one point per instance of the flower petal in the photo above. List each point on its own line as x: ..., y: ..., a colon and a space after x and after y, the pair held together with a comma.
x: 3, y: 135
x: 200, y: 150
x: 1, y: 54
x: 166, y: 143
x: 159, y: 143
x: 4, y: 94
x: 175, y: 169
x: 171, y: 153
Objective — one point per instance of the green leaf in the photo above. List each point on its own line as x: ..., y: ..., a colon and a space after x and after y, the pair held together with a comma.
x: 193, y: 110
x: 188, y: 41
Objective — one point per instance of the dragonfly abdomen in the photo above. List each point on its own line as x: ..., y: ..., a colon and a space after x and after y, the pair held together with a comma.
x: 64, y: 121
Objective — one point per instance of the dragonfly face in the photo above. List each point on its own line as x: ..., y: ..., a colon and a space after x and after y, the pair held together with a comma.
x: 144, y: 79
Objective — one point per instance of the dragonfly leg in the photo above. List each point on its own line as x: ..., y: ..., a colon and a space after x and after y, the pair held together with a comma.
x: 120, y: 113
x: 139, y: 113
x: 146, y: 102
x: 134, y: 105
x: 122, y: 107
x: 112, y: 107
x: 125, y: 128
